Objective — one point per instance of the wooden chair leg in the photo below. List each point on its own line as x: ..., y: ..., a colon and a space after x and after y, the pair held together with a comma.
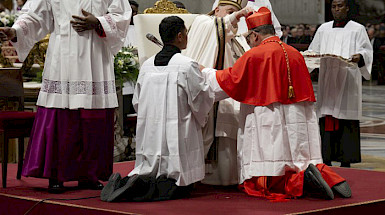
x: 21, y: 157
x: 5, y: 158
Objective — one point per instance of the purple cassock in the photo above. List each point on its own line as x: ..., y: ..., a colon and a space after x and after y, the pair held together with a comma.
x: 71, y: 144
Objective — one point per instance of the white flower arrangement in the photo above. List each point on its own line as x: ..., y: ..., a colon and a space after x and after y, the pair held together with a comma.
x: 126, y: 65
x: 7, y: 18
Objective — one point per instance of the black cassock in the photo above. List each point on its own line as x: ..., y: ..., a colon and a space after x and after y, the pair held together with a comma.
x: 342, y: 145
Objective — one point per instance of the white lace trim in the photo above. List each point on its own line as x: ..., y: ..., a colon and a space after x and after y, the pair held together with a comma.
x: 78, y: 87
x: 110, y: 22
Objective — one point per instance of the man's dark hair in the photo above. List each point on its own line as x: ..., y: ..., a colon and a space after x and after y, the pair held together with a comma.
x: 179, y: 4
x: 346, y: 2
x: 265, y: 29
x: 169, y: 28
x: 132, y: 2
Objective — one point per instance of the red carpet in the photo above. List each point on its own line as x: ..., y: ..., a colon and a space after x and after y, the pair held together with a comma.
x: 19, y: 196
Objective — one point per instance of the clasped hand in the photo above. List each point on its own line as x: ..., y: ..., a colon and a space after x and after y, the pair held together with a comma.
x: 88, y: 22
x: 356, y: 58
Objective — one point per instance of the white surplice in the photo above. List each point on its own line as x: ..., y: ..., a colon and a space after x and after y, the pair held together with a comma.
x: 172, y: 103
x: 339, y: 83
x: 79, y: 69
x: 203, y: 48
x: 274, y: 139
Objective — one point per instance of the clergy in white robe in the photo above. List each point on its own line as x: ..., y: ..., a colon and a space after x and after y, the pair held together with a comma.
x: 172, y: 100
x: 278, y: 135
x: 339, y: 100
x: 72, y: 137
x: 256, y: 4
x: 212, y: 44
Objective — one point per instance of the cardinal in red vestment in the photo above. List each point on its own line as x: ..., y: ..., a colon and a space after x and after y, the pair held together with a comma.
x: 279, y: 150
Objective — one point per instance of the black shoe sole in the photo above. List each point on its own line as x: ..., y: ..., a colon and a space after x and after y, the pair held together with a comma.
x: 316, y: 176
x: 118, y: 193
x: 343, y: 189
x: 113, y: 181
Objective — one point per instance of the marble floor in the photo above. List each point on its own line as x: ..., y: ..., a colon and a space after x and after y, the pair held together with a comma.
x: 372, y: 128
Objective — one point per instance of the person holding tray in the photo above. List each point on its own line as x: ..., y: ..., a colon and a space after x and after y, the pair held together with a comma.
x: 339, y: 101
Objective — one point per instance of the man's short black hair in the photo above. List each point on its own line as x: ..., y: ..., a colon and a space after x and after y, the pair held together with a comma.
x: 346, y: 2
x: 132, y: 2
x: 170, y: 27
x: 265, y: 29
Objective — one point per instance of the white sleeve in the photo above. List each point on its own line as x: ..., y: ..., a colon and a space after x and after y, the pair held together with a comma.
x: 211, y: 78
x: 115, y: 24
x: 366, y: 50
x: 231, y: 26
x: 33, y: 25
x: 199, y: 93
x: 315, y: 45
x: 135, y: 97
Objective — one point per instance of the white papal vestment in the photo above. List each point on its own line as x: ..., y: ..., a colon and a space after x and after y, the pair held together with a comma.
x: 203, y: 48
x: 242, y: 26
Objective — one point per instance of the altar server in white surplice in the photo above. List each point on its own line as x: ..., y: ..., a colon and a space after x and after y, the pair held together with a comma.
x: 172, y: 100
x: 339, y: 102
x: 73, y: 134
x: 212, y: 44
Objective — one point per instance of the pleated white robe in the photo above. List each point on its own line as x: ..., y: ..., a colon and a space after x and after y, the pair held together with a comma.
x: 172, y: 103
x: 277, y: 138
x: 79, y: 69
x: 203, y: 48
x: 339, y: 83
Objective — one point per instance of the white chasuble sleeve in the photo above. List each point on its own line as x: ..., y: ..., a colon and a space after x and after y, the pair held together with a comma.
x: 231, y: 26
x: 33, y: 25
x: 203, y: 42
x: 115, y: 24
x: 199, y: 93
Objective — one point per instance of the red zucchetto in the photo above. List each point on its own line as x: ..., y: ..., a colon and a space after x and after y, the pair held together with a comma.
x: 262, y: 17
